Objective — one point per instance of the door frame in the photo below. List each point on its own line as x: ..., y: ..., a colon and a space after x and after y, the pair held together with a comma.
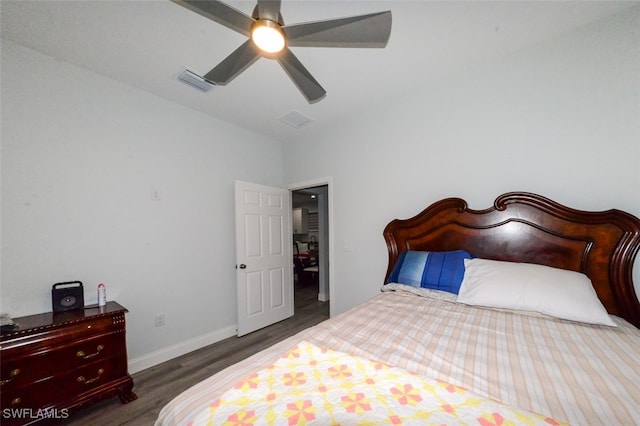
x: 328, y: 181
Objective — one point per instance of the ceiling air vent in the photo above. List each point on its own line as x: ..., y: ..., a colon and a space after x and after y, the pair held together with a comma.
x: 295, y: 119
x: 196, y: 81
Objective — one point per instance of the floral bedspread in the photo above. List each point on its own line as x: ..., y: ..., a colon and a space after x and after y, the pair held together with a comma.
x: 314, y: 386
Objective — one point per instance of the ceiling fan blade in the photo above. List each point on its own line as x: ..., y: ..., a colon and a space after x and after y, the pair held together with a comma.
x: 305, y: 82
x: 269, y: 9
x: 234, y: 64
x: 221, y: 13
x: 372, y: 30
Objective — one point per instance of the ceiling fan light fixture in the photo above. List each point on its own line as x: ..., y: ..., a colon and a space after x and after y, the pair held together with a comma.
x: 268, y: 36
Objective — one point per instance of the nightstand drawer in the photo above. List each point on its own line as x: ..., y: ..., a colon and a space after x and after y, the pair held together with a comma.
x: 33, y: 396
x: 42, y: 340
x: 79, y: 331
x: 91, y: 376
x: 89, y: 350
x: 55, y: 361
x: 76, y: 381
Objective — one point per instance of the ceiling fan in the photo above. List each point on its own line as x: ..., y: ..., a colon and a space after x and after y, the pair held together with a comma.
x: 270, y: 37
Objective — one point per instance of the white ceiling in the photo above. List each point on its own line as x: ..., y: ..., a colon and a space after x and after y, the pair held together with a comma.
x: 146, y: 44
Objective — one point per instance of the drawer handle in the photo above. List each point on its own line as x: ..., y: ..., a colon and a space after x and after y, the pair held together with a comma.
x: 81, y: 379
x: 81, y: 354
x: 13, y: 374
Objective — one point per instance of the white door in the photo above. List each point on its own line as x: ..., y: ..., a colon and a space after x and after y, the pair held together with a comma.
x: 264, y: 262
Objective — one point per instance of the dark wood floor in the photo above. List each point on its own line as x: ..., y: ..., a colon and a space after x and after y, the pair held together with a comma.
x: 156, y: 386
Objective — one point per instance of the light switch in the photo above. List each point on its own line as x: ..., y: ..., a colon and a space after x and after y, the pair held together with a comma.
x: 156, y: 195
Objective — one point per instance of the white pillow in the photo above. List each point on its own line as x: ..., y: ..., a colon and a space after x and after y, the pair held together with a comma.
x: 529, y: 287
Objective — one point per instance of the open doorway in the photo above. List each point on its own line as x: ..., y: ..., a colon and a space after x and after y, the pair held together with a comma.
x: 310, y: 228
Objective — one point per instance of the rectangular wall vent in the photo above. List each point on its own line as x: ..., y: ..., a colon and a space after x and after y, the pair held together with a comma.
x: 295, y: 119
x: 196, y: 81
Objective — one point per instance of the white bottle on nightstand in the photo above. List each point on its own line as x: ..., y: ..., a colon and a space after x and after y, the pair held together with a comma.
x: 102, y: 295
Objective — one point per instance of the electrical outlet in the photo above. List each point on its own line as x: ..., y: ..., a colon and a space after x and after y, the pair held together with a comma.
x: 161, y: 320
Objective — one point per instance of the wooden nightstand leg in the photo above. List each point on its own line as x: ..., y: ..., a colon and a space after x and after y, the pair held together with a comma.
x: 126, y: 394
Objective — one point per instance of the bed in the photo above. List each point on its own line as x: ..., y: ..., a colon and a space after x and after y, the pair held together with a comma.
x: 415, y: 355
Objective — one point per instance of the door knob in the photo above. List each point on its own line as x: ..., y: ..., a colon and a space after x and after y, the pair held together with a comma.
x: 243, y: 266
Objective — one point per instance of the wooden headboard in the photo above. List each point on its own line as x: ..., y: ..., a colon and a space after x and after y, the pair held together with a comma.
x: 525, y: 227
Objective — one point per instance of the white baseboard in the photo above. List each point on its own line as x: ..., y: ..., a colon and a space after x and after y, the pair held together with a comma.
x: 154, y: 358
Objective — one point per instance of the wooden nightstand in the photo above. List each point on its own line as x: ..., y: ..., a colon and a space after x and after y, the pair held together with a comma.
x: 55, y: 363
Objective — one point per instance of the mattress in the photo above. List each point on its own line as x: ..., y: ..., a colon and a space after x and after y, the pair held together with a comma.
x: 573, y: 372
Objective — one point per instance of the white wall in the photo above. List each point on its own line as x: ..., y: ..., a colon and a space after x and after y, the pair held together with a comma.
x: 81, y: 155
x: 560, y: 119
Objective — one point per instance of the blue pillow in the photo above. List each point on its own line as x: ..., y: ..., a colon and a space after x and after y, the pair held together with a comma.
x: 435, y: 270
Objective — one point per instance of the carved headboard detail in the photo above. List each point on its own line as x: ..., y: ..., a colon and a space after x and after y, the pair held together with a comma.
x: 525, y: 227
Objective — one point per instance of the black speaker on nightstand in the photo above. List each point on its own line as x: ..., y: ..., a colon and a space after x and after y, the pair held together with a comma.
x: 67, y: 296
